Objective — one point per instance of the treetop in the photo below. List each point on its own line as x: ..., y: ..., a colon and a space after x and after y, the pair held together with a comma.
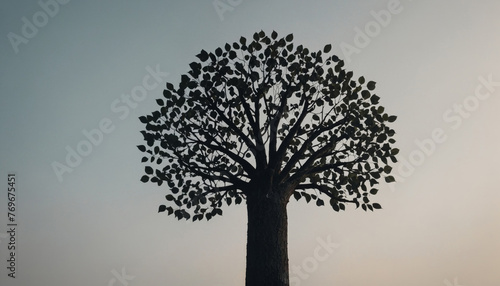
x: 271, y: 117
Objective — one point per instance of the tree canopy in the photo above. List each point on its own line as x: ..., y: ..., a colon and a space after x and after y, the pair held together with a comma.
x: 266, y: 109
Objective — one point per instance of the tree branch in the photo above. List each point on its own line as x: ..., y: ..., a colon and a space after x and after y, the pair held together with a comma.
x: 324, y: 190
x: 243, y: 163
x: 299, y: 154
x: 274, y: 123
x: 288, y: 139
x: 236, y: 130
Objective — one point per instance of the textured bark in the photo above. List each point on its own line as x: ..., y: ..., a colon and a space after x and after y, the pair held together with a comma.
x: 267, y: 241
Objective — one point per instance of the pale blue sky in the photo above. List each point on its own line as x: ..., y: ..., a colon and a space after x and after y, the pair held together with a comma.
x: 441, y: 222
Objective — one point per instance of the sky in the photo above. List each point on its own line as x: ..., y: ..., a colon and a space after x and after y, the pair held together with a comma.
x: 67, y: 71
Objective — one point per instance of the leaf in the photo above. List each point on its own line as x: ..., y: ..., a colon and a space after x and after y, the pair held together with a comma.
x: 373, y: 191
x: 274, y: 35
x: 381, y: 138
x: 212, y: 57
x: 390, y: 179
x: 377, y: 206
x: 365, y: 93
x: 160, y: 102
x: 162, y: 208
x: 168, y: 95
x: 297, y: 195
x: 387, y: 169
x: 392, y: 118
x: 342, y: 206
x: 192, y: 84
x: 141, y: 148
x: 327, y: 48
x: 289, y: 38
x: 307, y: 197
x: 335, y: 207
x: 361, y: 80
x: 320, y: 202
x: 374, y: 99
x: 203, y: 55
x: 371, y: 85
x: 169, y: 197
x: 243, y: 41
x: 218, y: 52
x: 195, y: 66
x: 148, y: 170
x: 144, y: 179
x: 143, y: 119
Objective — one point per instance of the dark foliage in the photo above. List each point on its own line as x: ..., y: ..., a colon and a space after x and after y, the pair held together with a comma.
x: 266, y: 109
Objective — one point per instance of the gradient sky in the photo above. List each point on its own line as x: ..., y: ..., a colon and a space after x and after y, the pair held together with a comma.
x: 440, y: 224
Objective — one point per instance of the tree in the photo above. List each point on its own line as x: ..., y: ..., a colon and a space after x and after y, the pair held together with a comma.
x: 262, y: 121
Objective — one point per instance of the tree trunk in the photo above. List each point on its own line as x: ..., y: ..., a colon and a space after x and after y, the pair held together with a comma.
x: 267, y: 241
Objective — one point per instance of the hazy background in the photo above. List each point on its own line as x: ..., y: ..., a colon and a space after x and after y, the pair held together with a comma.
x: 439, y: 224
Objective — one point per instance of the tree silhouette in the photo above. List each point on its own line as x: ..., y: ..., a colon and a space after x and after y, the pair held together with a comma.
x: 262, y: 121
